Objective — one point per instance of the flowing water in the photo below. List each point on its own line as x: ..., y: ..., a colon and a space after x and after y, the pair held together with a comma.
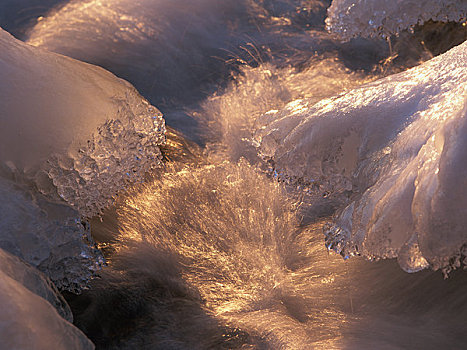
x: 214, y: 250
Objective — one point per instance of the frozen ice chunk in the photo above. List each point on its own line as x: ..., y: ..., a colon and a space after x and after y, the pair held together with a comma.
x: 350, y: 18
x: 35, y: 281
x: 72, y: 136
x: 47, y: 235
x: 259, y: 92
x: 29, y: 322
x: 398, y: 148
x: 74, y: 124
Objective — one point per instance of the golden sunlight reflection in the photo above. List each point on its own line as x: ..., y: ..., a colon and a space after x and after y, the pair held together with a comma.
x: 254, y: 269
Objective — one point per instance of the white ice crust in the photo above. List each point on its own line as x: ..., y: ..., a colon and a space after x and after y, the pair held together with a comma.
x: 397, y: 147
x: 29, y: 322
x: 350, y: 18
x: 71, y: 136
x: 34, y: 315
x: 73, y: 123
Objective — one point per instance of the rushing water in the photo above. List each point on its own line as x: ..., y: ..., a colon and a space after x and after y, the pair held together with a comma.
x: 215, y: 249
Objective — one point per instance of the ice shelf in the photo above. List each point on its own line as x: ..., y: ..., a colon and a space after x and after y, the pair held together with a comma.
x: 396, y: 148
x: 350, y: 18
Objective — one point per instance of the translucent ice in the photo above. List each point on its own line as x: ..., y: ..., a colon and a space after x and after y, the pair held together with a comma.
x: 34, y: 314
x: 75, y: 124
x: 29, y: 322
x: 350, y: 18
x: 72, y: 136
x: 397, y: 149
x: 47, y: 235
x: 35, y: 281
x: 230, y: 117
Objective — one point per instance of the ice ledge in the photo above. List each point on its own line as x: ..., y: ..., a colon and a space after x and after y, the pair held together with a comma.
x: 395, y: 150
x: 72, y: 135
x: 369, y: 18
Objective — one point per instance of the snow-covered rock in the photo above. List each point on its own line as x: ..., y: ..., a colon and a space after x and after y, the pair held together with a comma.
x: 396, y: 146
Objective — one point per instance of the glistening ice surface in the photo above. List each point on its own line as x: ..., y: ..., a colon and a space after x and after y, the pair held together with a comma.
x: 395, y: 148
x: 77, y: 124
x: 33, y: 312
x: 350, y: 18
x: 47, y: 235
x: 73, y: 135
x: 305, y: 142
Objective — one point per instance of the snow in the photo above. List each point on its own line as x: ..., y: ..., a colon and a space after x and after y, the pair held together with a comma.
x: 350, y: 18
x: 395, y: 148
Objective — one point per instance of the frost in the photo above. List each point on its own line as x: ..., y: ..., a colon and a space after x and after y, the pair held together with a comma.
x: 398, y: 145
x: 350, y: 18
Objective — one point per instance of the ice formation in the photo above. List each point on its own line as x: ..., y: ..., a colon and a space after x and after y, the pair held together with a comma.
x: 35, y: 281
x: 396, y: 148
x: 47, y: 235
x: 350, y: 18
x: 29, y: 322
x: 77, y: 124
x: 230, y: 117
x: 34, y: 314
x: 73, y: 135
